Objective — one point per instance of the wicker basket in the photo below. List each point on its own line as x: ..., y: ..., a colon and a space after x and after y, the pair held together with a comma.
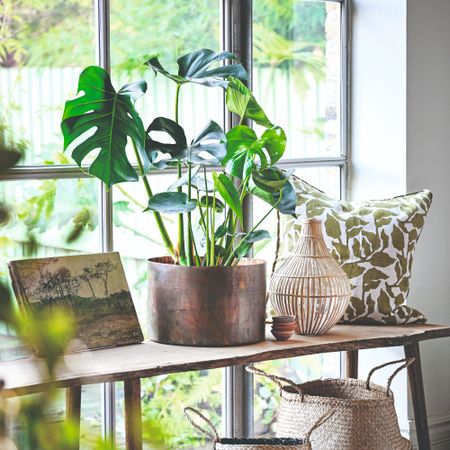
x: 310, y: 284
x: 364, y: 417
x: 254, y: 444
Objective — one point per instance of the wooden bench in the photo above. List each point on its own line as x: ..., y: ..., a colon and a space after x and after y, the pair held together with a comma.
x: 131, y: 363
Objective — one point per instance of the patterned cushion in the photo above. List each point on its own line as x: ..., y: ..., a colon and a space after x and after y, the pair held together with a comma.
x: 374, y: 242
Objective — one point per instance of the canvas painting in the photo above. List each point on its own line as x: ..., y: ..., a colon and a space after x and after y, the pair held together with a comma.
x: 92, y: 289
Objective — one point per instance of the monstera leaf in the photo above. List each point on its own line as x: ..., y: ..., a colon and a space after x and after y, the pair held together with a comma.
x: 241, y: 101
x: 288, y: 200
x: 196, y: 68
x: 208, y: 148
x: 171, y: 202
x: 229, y: 193
x: 245, y: 151
x: 104, y: 119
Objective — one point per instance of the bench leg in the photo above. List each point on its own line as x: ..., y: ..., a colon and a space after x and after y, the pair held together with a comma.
x: 73, y: 410
x: 351, y: 364
x: 418, y: 397
x: 133, y: 417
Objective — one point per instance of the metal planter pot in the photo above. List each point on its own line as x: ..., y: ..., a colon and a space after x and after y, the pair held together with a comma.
x: 207, y: 306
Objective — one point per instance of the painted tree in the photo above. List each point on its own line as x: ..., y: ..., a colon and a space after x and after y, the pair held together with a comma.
x: 103, y: 269
x: 89, y: 274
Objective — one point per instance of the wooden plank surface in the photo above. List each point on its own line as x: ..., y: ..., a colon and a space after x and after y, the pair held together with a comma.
x: 149, y: 358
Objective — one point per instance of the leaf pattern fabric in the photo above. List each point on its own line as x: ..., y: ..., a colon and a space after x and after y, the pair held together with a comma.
x: 373, y: 241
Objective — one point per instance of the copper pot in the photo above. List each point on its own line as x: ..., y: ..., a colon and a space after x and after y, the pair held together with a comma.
x: 207, y: 306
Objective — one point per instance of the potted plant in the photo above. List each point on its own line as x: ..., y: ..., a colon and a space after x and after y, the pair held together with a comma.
x: 204, y: 292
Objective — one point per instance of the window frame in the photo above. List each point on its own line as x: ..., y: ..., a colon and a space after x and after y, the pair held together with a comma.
x: 236, y: 21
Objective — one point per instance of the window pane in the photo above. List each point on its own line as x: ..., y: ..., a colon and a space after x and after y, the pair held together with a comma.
x: 49, y: 218
x: 41, y: 55
x: 296, y: 52
x: 169, y: 29
x: 46, y: 218
x: 163, y: 399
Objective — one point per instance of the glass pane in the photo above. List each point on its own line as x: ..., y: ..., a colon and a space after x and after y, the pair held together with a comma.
x: 163, y: 399
x: 41, y: 55
x: 46, y: 218
x: 297, y: 63
x: 49, y: 218
x: 143, y: 28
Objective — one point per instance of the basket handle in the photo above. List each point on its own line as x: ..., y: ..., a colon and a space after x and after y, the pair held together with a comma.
x: 320, y: 421
x: 275, y: 378
x: 211, y: 433
x: 407, y: 362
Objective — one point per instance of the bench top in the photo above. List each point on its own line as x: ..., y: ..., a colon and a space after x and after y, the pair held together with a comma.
x: 23, y: 376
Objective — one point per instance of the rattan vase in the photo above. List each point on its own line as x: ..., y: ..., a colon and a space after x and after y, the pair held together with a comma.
x: 310, y: 284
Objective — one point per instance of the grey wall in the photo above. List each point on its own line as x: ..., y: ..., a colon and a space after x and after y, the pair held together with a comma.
x: 428, y: 165
x: 400, y: 143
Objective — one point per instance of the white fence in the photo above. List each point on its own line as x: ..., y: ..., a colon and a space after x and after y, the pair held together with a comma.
x: 32, y: 100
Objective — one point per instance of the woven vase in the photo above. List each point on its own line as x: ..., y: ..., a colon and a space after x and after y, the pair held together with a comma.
x: 310, y: 284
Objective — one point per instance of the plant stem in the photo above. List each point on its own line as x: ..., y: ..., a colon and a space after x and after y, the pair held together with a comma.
x: 189, y: 249
x: 231, y: 256
x: 159, y: 222
x: 213, y: 228
x: 207, y: 221
x: 177, y: 101
x: 181, y: 249
x: 181, y: 245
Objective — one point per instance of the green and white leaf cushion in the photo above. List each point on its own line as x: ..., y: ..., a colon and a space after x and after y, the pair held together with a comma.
x: 374, y: 241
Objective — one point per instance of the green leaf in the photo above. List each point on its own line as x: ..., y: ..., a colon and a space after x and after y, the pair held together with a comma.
x: 381, y: 259
x: 208, y: 148
x: 229, y: 193
x: 239, y: 141
x: 242, y: 249
x: 257, y: 235
x: 240, y: 100
x: 221, y: 231
x: 333, y: 227
x: 274, y: 141
x: 288, y: 200
x: 353, y: 269
x: 196, y: 68
x: 269, y: 180
x: 244, y: 149
x: 175, y: 145
x: 171, y: 202
x: 112, y: 118
x: 210, y: 201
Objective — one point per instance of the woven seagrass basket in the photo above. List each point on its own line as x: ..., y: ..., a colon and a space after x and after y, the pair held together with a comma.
x: 364, y: 418
x: 302, y: 443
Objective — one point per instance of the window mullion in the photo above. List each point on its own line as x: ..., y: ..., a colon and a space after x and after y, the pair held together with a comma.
x: 105, y: 204
x: 238, y: 405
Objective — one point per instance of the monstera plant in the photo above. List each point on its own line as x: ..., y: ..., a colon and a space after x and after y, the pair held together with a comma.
x: 241, y: 161
x: 216, y: 171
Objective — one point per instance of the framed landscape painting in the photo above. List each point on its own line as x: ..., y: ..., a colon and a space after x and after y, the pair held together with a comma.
x: 91, y: 289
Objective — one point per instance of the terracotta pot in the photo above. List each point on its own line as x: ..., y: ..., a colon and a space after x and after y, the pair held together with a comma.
x: 207, y: 306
